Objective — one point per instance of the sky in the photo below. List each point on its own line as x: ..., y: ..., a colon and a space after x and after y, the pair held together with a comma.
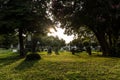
x: 60, y: 33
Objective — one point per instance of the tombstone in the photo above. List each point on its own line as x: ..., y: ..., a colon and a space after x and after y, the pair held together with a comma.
x: 29, y: 37
x: 28, y: 45
x: 73, y: 51
x: 62, y: 49
x: 14, y: 50
x: 88, y: 49
x: 56, y: 50
x: 49, y: 50
x: 38, y: 46
x: 11, y: 46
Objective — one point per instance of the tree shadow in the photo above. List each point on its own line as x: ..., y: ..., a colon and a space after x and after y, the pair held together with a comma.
x: 25, y: 65
x: 106, y: 56
x: 8, y: 60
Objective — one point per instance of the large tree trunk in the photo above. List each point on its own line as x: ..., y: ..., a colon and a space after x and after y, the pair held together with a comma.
x: 21, y: 42
x: 103, y: 43
x: 34, y: 43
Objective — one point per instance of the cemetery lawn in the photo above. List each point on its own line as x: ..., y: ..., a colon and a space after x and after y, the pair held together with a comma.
x: 59, y: 67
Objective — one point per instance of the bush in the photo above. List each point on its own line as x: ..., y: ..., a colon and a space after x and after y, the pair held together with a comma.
x: 32, y: 56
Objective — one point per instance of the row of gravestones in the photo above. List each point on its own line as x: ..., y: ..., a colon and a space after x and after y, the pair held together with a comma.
x: 50, y: 50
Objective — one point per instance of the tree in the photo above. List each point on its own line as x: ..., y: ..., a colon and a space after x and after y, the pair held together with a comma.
x: 24, y: 16
x: 6, y: 40
x: 52, y: 41
x: 100, y: 16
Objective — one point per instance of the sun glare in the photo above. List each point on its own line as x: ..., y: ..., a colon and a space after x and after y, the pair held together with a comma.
x: 60, y: 33
x: 52, y: 30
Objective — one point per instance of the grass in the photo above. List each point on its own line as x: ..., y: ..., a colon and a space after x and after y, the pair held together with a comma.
x: 59, y: 67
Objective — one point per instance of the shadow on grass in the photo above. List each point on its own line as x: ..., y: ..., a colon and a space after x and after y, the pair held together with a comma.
x: 112, y: 57
x: 8, y: 60
x: 25, y: 65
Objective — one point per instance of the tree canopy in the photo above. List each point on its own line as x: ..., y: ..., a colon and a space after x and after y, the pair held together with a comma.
x: 23, y: 16
x: 27, y: 14
x: 100, y: 16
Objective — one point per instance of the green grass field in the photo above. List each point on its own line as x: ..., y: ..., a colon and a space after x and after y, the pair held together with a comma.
x: 59, y: 67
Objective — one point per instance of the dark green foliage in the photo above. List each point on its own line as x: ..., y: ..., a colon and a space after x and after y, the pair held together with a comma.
x: 33, y: 56
x: 100, y: 16
x: 86, y: 43
x: 52, y: 41
x: 23, y: 16
x: 26, y: 14
x: 6, y: 40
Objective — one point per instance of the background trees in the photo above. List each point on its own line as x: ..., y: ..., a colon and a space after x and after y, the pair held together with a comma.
x: 23, y: 16
x: 100, y: 16
x: 52, y: 41
x: 8, y: 40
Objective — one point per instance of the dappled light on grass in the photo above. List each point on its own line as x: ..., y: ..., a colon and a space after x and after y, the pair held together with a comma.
x: 64, y: 66
x: 62, y: 57
x: 8, y: 58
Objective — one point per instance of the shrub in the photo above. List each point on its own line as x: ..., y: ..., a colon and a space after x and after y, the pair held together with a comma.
x: 33, y: 56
